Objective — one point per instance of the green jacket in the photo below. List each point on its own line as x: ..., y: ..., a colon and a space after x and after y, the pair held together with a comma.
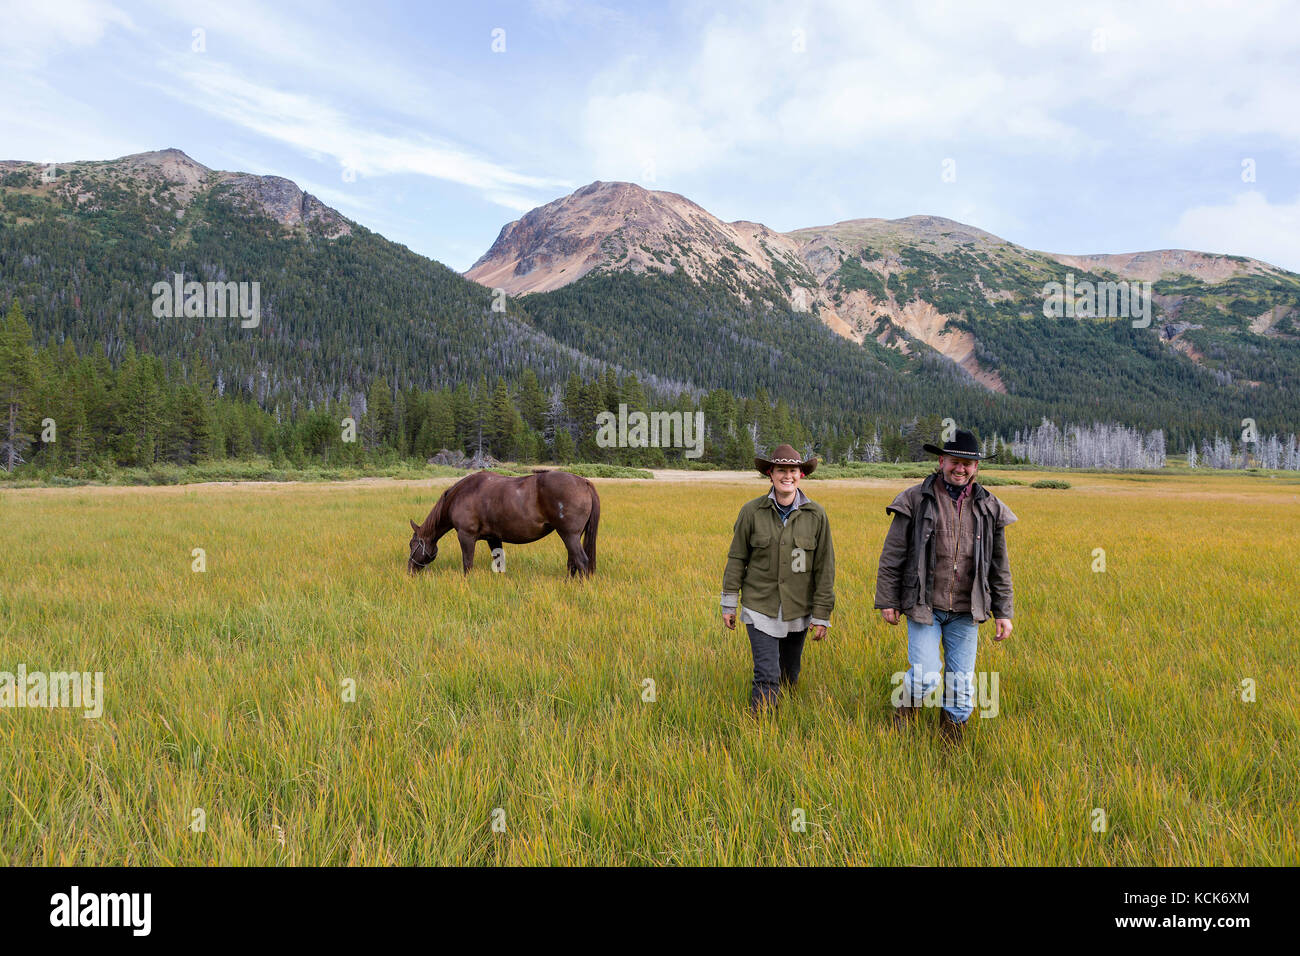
x: 790, y: 567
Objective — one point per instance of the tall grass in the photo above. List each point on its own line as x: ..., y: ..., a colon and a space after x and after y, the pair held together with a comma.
x: 523, y: 691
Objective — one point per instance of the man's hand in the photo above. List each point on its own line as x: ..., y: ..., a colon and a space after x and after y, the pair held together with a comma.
x: 1004, y: 629
x: 890, y: 614
x: 729, y: 619
x: 819, y: 631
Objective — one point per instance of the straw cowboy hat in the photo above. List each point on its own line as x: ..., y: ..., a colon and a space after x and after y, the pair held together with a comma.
x: 785, y: 456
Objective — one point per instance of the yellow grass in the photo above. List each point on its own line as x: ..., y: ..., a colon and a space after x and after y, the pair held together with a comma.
x: 1119, y: 690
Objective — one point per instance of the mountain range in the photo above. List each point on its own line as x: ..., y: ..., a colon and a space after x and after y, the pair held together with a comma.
x: 908, y: 283
x: 868, y: 320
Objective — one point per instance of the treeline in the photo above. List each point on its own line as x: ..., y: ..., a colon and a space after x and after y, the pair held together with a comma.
x: 63, y: 412
x: 69, y: 413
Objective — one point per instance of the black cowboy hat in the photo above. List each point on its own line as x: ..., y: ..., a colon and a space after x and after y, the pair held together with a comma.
x: 786, y: 456
x: 963, y: 445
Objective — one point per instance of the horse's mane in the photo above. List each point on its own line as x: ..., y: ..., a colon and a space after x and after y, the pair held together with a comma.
x: 445, y: 499
x: 435, y: 513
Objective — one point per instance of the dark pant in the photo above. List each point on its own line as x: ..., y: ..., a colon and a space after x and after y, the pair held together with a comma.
x: 776, y: 662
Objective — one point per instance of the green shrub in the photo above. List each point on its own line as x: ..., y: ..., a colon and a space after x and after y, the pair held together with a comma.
x: 598, y: 470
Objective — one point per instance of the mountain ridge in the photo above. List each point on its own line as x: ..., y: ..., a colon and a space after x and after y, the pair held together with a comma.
x: 183, y: 178
x: 845, y: 272
x: 82, y: 245
x: 897, y: 317
x: 1144, y: 265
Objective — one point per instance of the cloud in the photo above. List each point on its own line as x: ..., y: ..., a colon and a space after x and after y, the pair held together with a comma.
x: 1012, y: 76
x: 314, y: 44
x: 327, y: 134
x: 1249, y: 225
x: 32, y: 31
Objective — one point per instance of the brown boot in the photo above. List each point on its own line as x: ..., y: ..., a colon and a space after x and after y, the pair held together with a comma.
x: 904, y: 714
x: 949, y: 729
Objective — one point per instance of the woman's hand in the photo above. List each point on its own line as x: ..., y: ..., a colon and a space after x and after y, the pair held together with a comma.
x: 729, y: 619
x: 890, y: 614
x: 819, y: 631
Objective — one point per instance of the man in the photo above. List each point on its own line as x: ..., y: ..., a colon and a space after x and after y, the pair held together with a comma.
x: 782, y: 563
x: 944, y: 565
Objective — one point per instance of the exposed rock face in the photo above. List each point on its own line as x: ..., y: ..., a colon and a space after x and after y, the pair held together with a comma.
x: 622, y: 227
x: 1263, y: 324
x: 1150, y: 266
x: 283, y: 201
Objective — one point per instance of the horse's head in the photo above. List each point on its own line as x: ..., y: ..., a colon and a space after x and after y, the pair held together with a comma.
x: 422, y: 553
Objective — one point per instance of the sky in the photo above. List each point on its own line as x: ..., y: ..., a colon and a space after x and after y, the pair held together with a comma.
x: 1072, y: 128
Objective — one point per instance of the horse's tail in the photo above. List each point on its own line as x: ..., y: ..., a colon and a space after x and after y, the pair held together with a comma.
x: 589, y: 530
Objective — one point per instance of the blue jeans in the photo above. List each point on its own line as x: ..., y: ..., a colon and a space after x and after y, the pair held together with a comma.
x: 959, y: 635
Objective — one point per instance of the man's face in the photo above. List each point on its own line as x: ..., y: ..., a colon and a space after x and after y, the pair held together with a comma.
x: 785, y: 480
x: 958, y: 471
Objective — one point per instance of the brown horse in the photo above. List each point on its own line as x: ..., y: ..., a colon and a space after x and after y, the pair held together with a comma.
x: 489, y: 507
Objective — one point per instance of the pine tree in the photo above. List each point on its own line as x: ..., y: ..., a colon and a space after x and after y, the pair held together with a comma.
x: 442, y: 423
x: 480, y: 418
x: 17, y: 384
x: 501, y: 426
x: 573, y: 401
x: 398, y: 432
x: 532, y: 401
x: 564, y: 447
x: 378, y: 425
x: 592, y: 400
x: 424, y: 447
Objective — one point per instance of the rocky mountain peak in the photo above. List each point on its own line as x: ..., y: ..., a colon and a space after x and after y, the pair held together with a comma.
x: 624, y: 227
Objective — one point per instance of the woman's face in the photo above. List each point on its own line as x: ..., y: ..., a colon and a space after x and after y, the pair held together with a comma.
x: 785, y: 479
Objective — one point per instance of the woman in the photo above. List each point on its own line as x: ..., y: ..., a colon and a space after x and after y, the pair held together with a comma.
x: 782, y: 566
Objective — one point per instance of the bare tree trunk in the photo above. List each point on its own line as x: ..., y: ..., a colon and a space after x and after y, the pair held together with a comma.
x: 13, y: 436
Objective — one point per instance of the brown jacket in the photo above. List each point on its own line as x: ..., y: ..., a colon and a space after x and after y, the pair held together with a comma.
x: 906, y: 576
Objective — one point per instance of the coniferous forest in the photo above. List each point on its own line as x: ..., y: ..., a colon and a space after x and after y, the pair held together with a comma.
x: 366, y: 352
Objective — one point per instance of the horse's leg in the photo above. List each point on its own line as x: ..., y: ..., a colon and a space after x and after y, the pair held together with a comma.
x: 467, y: 542
x: 498, y: 553
x: 577, y: 557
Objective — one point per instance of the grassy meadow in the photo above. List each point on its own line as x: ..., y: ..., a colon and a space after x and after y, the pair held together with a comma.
x: 224, y: 690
